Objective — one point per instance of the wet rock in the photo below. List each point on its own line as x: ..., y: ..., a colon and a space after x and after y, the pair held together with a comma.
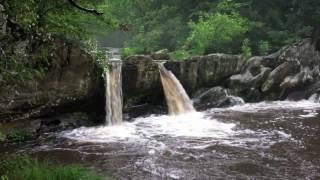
x: 279, y: 74
x: 216, y: 97
x: 3, y: 22
x: 141, y: 79
x: 161, y: 55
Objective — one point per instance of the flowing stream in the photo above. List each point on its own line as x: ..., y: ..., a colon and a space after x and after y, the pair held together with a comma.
x: 267, y: 140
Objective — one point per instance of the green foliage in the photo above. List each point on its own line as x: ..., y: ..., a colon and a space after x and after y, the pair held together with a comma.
x: 246, y: 49
x: 264, y: 47
x: 26, y: 168
x: 179, y: 55
x: 97, y: 54
x: 159, y: 24
x: 60, y: 17
x: 128, y: 51
x: 18, y: 135
x: 4, y: 177
x: 217, y: 33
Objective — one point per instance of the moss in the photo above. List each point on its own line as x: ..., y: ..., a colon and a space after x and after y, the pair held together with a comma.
x: 18, y: 135
x: 26, y: 168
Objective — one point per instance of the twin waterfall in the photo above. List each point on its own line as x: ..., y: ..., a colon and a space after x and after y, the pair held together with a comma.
x: 177, y: 99
x: 113, y: 85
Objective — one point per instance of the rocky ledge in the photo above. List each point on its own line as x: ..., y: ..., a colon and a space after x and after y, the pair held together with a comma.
x: 291, y: 73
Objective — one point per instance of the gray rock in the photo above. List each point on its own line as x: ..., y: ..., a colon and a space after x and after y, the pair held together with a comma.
x: 161, y: 55
x: 216, y: 97
x: 3, y: 22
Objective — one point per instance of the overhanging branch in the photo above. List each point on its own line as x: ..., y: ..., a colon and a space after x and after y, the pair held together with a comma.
x: 93, y: 11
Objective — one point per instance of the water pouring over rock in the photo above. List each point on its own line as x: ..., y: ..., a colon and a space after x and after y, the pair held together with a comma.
x: 178, y: 100
x: 113, y: 84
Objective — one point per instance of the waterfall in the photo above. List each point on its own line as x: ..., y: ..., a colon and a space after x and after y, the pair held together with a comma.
x: 315, y: 98
x: 113, y: 84
x: 178, y: 100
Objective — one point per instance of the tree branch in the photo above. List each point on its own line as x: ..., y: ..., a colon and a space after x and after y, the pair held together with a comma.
x: 93, y: 11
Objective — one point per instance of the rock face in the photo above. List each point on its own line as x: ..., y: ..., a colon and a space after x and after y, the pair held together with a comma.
x: 70, y: 81
x: 141, y: 79
x: 291, y: 73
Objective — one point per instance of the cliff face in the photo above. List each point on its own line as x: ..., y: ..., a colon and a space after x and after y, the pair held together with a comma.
x: 65, y: 78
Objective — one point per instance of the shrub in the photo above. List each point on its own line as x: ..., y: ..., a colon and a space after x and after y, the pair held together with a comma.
x: 216, y: 33
x: 128, y: 51
x: 26, y: 168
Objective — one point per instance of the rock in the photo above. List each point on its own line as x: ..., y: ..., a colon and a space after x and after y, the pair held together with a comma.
x: 141, y: 79
x: 71, y: 83
x: 272, y: 61
x: 216, y: 97
x: 161, y: 55
x: 279, y: 74
x: 3, y: 22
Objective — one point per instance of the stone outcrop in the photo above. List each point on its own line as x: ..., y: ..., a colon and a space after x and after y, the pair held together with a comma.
x: 69, y: 80
x: 288, y: 73
x: 216, y: 97
x: 291, y: 73
x: 141, y: 80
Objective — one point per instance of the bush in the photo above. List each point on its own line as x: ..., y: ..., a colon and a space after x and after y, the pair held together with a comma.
x: 128, y: 51
x: 216, y: 33
x: 26, y: 168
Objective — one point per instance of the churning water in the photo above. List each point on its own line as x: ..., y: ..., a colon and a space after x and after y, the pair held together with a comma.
x: 268, y: 140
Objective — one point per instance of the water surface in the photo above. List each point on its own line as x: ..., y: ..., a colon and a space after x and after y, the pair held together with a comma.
x: 268, y: 140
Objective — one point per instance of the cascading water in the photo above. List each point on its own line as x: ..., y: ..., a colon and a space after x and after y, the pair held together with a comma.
x: 178, y: 100
x: 113, y: 84
x: 315, y: 98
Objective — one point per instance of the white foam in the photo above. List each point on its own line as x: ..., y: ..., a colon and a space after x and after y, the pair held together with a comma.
x: 254, y: 107
x: 124, y: 132
x: 192, y: 130
x: 187, y: 125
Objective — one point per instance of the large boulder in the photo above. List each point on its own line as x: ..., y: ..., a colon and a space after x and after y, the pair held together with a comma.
x: 216, y: 97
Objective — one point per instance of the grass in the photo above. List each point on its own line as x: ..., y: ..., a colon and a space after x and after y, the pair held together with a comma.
x: 26, y: 168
